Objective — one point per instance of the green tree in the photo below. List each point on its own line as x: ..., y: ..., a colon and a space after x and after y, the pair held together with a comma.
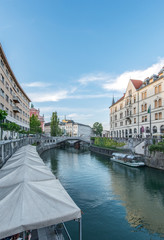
x: 55, y: 130
x: 3, y: 115
x: 97, y: 128
x: 35, y: 125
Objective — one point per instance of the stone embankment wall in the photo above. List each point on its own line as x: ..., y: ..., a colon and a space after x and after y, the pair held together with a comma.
x: 107, y: 151
x: 43, y: 148
x: 155, y: 160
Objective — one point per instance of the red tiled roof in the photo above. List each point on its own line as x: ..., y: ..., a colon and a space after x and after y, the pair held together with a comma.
x: 137, y: 83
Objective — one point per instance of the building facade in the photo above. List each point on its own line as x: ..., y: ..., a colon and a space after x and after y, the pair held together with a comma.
x: 71, y: 128
x: 140, y: 112
x: 36, y: 112
x: 13, y: 99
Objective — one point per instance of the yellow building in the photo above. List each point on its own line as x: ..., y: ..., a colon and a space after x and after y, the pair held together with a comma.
x: 13, y: 99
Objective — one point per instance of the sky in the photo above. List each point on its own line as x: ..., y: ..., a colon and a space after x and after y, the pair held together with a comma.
x: 73, y: 56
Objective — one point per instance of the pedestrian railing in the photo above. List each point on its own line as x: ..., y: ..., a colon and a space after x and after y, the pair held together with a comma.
x: 8, y: 147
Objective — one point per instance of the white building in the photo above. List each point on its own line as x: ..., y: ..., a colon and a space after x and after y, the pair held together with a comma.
x: 71, y: 128
x: 130, y: 117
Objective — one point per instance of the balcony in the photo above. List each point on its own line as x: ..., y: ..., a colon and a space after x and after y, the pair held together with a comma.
x: 16, y: 99
x: 16, y: 109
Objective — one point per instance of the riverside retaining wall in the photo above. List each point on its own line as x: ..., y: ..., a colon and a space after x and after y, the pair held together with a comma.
x: 155, y: 160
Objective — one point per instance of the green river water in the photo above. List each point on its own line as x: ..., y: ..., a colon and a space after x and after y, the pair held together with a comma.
x: 118, y: 202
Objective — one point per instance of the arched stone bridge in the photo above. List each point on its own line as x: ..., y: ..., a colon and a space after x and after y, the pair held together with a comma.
x: 77, y: 139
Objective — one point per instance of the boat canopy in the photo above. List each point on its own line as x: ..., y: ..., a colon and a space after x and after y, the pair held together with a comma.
x: 121, y: 155
x: 30, y: 195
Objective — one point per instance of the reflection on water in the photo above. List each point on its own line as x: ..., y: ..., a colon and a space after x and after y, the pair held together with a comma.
x: 118, y: 202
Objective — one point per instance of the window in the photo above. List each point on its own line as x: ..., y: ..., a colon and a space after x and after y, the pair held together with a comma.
x: 158, y: 89
x: 7, y: 86
x: 1, y: 106
x: 134, y: 110
x: 144, y: 118
x: 115, y: 124
x: 2, y: 79
x: 145, y: 106
x: 7, y: 98
x: 121, y: 106
x: 121, y: 123
x: 158, y: 116
x: 111, y: 119
x: 2, y: 92
x: 2, y: 63
x: 156, y: 104
x: 144, y: 95
x: 134, y: 120
x: 11, y: 113
x: 121, y: 115
x: 115, y: 109
x: 134, y: 98
x: 7, y: 110
x: 142, y: 108
x: 11, y: 91
x: 115, y: 117
x: 130, y: 92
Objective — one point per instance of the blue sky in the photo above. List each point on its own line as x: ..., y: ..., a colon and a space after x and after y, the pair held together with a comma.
x: 71, y: 56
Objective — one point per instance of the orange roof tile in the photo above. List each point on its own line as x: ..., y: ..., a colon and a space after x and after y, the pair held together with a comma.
x: 137, y: 83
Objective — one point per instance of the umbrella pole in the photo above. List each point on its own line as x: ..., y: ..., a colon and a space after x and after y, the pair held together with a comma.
x: 80, y: 228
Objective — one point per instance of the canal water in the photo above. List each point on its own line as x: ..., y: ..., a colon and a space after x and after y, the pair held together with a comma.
x: 118, y: 202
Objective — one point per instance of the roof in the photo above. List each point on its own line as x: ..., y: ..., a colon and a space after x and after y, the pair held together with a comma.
x: 118, y: 100
x: 34, y: 196
x: 11, y: 72
x: 137, y: 83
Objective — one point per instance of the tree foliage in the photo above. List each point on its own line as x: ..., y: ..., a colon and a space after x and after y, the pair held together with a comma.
x: 97, y: 128
x: 107, y: 143
x: 3, y: 115
x: 55, y: 130
x: 35, y: 125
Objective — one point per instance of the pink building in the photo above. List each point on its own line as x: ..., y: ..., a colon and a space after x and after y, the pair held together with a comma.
x: 37, y: 113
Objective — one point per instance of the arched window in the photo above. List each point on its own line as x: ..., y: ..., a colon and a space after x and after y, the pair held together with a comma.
x: 147, y: 129
x: 154, y: 129
x: 162, y: 129
x: 135, y: 130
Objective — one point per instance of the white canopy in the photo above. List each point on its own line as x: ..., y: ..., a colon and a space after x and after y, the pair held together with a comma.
x: 30, y: 195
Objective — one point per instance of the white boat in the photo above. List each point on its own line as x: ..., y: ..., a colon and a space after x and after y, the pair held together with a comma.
x: 129, y: 160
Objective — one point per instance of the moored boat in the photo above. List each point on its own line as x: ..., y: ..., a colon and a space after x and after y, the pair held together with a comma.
x: 129, y: 160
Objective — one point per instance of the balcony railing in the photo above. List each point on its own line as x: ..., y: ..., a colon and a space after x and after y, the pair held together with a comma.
x: 16, y: 109
x: 16, y: 99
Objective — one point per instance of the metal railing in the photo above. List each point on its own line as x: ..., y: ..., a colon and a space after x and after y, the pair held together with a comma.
x: 8, y: 147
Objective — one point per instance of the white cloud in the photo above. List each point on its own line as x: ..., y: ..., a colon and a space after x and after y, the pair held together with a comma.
x: 48, y: 97
x: 36, y: 84
x: 99, y: 77
x: 120, y: 82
